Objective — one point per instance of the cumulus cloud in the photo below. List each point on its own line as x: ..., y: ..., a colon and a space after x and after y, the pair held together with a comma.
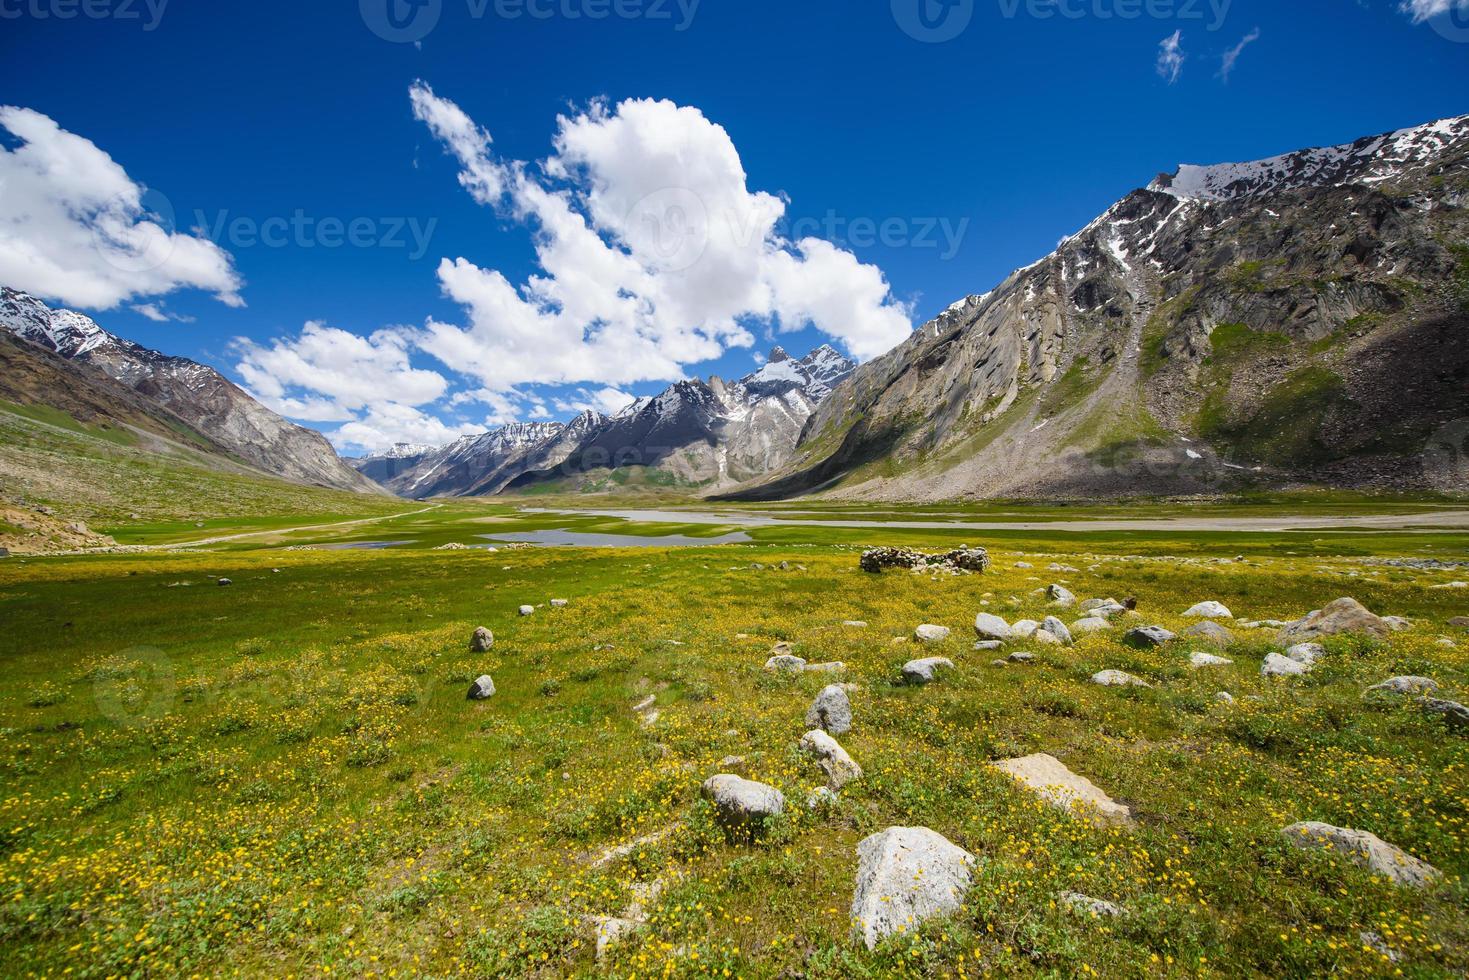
x: 1171, y: 57
x: 75, y: 227
x: 1422, y: 10
x: 385, y: 425
x: 325, y: 374
x: 1231, y: 57
x: 653, y: 255
x: 608, y: 401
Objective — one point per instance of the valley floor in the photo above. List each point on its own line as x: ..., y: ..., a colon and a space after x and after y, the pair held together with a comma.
x: 283, y: 776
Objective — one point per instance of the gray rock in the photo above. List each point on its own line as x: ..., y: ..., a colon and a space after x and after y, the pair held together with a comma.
x: 527, y: 610
x: 786, y: 663
x: 1118, y: 678
x: 482, y: 689
x: 924, y: 671
x: 4, y: 552
x: 821, y: 798
x: 855, y: 624
x: 839, y: 767
x: 1406, y: 685
x: 1378, y: 945
x: 1058, y: 629
x: 225, y: 581
x: 1063, y: 789
x: 1147, y: 637
x: 1210, y: 632
x: 1021, y: 658
x: 1092, y: 624
x: 1209, y: 610
x: 612, y: 930
x: 1060, y: 596
x: 1455, y: 715
x: 835, y: 667
x: 1094, y: 907
x: 481, y: 641
x: 1224, y: 697
x: 831, y: 711
x: 1366, y: 850
x: 905, y: 876
x: 1397, y: 623
x: 929, y: 633
x: 1208, y: 660
x: 742, y: 806
x: 1024, y: 629
x: 558, y: 603
x: 1046, y: 638
x: 1341, y: 616
x: 1277, y: 666
x: 988, y: 645
x: 990, y: 627
x: 1306, y: 654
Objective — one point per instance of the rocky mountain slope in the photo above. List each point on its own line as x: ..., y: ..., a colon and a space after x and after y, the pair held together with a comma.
x: 712, y: 434
x: 198, y: 395
x: 1303, y: 319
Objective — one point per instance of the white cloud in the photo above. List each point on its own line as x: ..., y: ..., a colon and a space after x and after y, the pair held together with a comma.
x: 156, y: 313
x: 653, y: 255
x: 385, y: 425
x: 608, y: 401
x: 75, y: 227
x: 1231, y: 57
x: 1422, y: 10
x: 1171, y: 57
x: 330, y: 375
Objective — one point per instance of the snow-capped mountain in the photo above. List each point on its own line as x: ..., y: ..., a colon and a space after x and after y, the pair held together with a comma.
x: 694, y: 433
x: 1301, y: 319
x: 197, y: 394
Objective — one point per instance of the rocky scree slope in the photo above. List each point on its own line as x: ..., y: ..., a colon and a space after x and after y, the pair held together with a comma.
x: 1297, y: 320
x: 198, y: 395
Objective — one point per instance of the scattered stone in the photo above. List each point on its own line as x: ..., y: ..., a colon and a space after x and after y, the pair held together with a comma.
x: 839, y: 767
x: 1455, y: 715
x: 1366, y: 850
x: 1224, y: 697
x: 1451, y: 585
x: 1023, y: 565
x: 482, y: 689
x: 1058, y: 629
x: 612, y: 930
x: 1277, y: 666
x: 831, y: 711
x: 1460, y: 621
x: 1210, y: 632
x: 1094, y: 907
x: 835, y: 667
x: 743, y: 805
x: 1398, y: 624
x: 1341, y: 616
x: 1092, y: 624
x: 855, y: 624
x: 1024, y: 629
x: 732, y: 762
x: 1118, y: 678
x: 929, y: 633
x: 527, y: 610
x: 820, y: 798
x: 990, y: 627
x: 786, y: 663
x: 645, y: 704
x: 1406, y: 685
x: 1378, y: 945
x: 924, y: 671
x: 781, y: 649
x: 1021, y: 658
x: 1208, y: 660
x: 964, y: 560
x: 481, y: 641
x: 905, y: 876
x: 559, y: 603
x: 988, y: 645
x: 1046, y: 638
x: 1060, y: 596
x: 1209, y: 610
x: 225, y: 581
x: 1049, y: 779
x: 1306, y: 653
x: 4, y: 552
x: 1147, y: 637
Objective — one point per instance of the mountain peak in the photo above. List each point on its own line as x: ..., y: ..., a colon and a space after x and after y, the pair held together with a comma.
x: 778, y: 355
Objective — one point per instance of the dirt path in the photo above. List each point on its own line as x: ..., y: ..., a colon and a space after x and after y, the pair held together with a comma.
x: 223, y: 539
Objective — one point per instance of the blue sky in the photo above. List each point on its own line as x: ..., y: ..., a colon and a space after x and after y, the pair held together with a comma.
x: 936, y: 166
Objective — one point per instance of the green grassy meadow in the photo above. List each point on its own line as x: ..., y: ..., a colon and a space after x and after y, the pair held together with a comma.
x: 283, y: 776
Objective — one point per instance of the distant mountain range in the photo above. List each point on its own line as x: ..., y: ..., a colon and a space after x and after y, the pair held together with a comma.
x: 696, y: 435
x: 1297, y: 320
x: 196, y: 395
